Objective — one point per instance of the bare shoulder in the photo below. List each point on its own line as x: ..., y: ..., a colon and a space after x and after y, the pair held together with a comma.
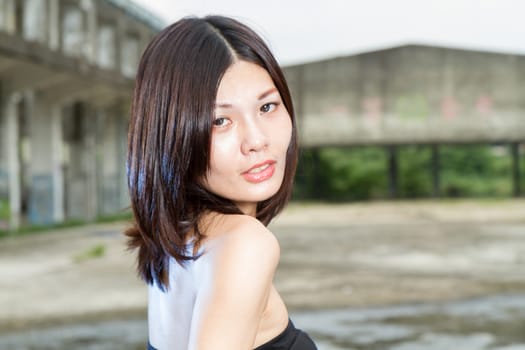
x: 241, y: 258
x: 243, y: 238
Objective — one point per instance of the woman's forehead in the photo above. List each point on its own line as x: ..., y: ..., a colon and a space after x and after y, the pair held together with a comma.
x: 244, y: 80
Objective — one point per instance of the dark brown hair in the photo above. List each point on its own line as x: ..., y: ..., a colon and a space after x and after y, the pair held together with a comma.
x: 170, y: 136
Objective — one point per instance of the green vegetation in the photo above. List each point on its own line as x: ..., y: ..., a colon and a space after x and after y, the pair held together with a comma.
x: 361, y: 173
x: 476, y: 171
x: 94, y: 252
x: 4, y: 210
x: 341, y: 174
x: 415, y: 176
x: 33, y: 229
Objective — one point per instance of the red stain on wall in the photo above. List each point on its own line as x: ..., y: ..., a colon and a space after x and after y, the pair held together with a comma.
x: 484, y: 105
x: 449, y: 107
x: 372, y: 107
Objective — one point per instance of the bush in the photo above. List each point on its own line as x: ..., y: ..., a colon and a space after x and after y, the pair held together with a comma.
x: 475, y: 171
x: 415, y: 177
x: 339, y: 174
x: 4, y: 214
x: 360, y: 173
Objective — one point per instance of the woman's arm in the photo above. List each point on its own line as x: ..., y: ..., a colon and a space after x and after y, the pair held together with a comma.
x: 234, y: 288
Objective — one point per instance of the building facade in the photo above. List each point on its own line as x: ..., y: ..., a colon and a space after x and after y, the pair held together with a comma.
x: 66, y: 78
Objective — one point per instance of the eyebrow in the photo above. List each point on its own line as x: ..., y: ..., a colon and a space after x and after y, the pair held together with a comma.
x: 261, y: 97
x: 266, y: 93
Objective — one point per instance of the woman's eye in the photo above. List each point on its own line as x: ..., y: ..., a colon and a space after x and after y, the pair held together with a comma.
x: 268, y: 107
x: 221, y: 122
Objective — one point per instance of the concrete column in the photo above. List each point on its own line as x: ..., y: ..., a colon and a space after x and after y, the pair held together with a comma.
x: 120, y: 36
x: 47, y: 186
x: 299, y: 90
x: 13, y: 162
x: 90, y: 11
x: 106, y: 47
x: 122, y: 146
x: 80, y: 162
x: 9, y: 16
x: 74, y: 172
x: 392, y: 171
x: 57, y: 160
x: 35, y: 20
x: 2, y: 15
x: 516, y: 176
x: 107, y: 163
x: 316, y: 186
x: 4, y: 175
x: 90, y: 165
x: 72, y: 29
x: 53, y: 24
x: 435, y: 169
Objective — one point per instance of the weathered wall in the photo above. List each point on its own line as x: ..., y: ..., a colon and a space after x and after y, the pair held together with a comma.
x: 66, y: 74
x: 410, y: 94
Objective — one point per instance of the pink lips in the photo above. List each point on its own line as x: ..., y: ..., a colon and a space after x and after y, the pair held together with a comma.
x: 260, y: 172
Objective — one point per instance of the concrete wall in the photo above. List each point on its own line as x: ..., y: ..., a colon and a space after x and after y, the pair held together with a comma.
x: 410, y: 94
x: 66, y: 77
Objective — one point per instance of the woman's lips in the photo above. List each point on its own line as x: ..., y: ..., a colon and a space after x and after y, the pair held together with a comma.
x: 260, y: 172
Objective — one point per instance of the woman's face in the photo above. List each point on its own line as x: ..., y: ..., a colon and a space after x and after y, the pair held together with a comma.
x: 251, y: 133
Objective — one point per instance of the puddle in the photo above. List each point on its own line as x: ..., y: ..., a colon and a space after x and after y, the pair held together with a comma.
x: 478, y: 324
x: 495, y: 323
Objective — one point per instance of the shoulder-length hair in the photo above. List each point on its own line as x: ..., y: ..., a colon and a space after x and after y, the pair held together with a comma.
x: 170, y: 136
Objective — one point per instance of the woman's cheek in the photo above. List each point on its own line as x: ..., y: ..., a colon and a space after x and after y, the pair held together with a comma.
x: 222, y: 148
x: 287, y: 132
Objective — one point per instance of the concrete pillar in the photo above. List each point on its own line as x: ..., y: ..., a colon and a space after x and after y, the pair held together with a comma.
x: 122, y: 146
x: 392, y: 171
x: 120, y: 36
x: 53, y: 24
x: 435, y: 169
x: 4, y: 175
x: 106, y: 157
x: 111, y: 160
x: 144, y: 37
x: 35, y: 20
x: 8, y: 16
x: 516, y: 176
x: 72, y: 30
x: 317, y: 189
x: 81, y: 181
x: 90, y: 165
x: 73, y: 167
x: 300, y: 103
x: 3, y: 15
x: 106, y: 48
x: 47, y: 186
x: 90, y: 11
x: 57, y: 161
x: 11, y: 146
x: 130, y: 55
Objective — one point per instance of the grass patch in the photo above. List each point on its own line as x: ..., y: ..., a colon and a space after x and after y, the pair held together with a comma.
x: 37, y: 229
x: 33, y: 229
x: 121, y: 216
x: 94, y: 252
x: 4, y: 209
x: 4, y: 215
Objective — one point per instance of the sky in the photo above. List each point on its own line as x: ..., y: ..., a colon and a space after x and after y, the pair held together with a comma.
x: 300, y: 31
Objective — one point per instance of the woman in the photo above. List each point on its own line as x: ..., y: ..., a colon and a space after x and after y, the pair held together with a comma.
x: 211, y: 157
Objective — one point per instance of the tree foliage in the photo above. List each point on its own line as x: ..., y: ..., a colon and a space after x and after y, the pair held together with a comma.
x: 360, y: 173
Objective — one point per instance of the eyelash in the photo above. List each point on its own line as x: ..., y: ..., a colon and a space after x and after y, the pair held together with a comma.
x: 219, y: 118
x: 274, y: 104
x: 269, y: 104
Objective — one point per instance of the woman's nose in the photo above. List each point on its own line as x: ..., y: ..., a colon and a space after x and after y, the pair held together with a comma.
x: 254, y: 137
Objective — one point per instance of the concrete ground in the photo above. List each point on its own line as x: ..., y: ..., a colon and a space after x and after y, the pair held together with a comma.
x: 332, y: 256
